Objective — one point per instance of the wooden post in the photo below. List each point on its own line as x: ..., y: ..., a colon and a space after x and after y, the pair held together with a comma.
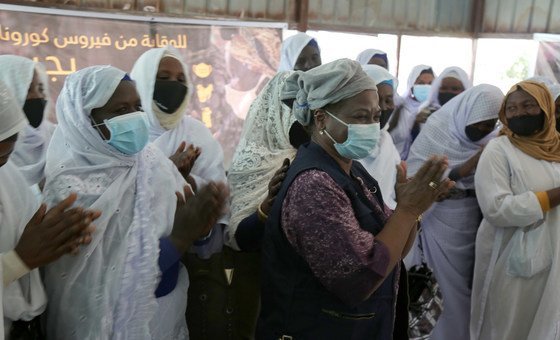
x: 302, y: 15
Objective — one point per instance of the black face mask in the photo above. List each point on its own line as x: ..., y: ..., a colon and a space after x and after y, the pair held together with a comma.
x: 169, y: 95
x: 298, y: 135
x: 34, y: 109
x: 558, y: 124
x: 384, y: 118
x: 444, y: 97
x: 475, y: 134
x: 526, y: 125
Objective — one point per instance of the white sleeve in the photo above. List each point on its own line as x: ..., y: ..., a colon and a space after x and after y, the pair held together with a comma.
x: 13, y: 266
x: 499, y: 205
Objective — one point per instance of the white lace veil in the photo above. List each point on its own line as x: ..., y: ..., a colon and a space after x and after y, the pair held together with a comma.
x: 30, y: 151
x: 264, y: 144
x: 444, y: 132
x: 107, y: 291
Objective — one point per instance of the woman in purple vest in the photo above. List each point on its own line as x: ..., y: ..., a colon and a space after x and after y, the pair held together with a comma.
x: 332, y: 249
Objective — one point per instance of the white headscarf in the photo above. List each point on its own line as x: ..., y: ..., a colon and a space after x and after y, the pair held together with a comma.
x: 381, y: 163
x: 145, y: 71
x: 554, y: 90
x: 450, y: 72
x: 264, y: 144
x: 12, y: 118
x: 444, y: 133
x: 24, y: 298
x: 107, y: 291
x: 365, y: 56
x: 291, y: 49
x: 380, y: 74
x: 31, y: 148
x: 209, y: 165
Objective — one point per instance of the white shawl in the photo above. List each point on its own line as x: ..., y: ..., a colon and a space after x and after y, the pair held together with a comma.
x: 444, y: 132
x: 24, y: 298
x: 291, y: 49
x: 30, y: 151
x: 264, y: 144
x: 209, y: 165
x: 107, y: 291
x: 450, y: 72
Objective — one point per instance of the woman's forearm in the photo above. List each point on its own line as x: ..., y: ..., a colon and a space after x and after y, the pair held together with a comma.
x: 396, y: 235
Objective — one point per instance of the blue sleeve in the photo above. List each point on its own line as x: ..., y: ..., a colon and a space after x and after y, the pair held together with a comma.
x: 249, y: 233
x: 168, y: 262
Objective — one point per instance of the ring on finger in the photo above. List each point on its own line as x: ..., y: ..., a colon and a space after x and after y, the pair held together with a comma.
x: 433, y: 185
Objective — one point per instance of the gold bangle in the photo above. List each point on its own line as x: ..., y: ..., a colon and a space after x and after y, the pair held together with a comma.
x: 262, y: 216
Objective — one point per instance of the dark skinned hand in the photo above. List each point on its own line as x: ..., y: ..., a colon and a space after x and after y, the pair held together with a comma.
x: 184, y: 159
x: 422, y: 116
x: 470, y: 165
x: 274, y: 186
x: 196, y: 215
x: 415, y: 194
x: 51, y: 234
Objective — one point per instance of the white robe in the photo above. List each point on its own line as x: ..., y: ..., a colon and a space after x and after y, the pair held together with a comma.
x: 505, y: 306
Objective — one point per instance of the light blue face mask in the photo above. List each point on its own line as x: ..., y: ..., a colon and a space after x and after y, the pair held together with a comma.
x: 129, y: 132
x: 421, y: 92
x: 361, y: 141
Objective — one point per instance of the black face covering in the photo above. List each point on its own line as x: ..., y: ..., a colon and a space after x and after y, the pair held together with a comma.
x: 475, y: 134
x: 169, y: 95
x: 298, y: 135
x: 558, y: 124
x: 444, y: 97
x: 384, y: 118
x: 34, y: 109
x: 526, y: 125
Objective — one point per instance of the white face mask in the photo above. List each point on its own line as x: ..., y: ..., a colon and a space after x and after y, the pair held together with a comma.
x: 361, y: 141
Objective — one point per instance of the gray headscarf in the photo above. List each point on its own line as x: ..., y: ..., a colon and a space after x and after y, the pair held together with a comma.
x: 323, y: 85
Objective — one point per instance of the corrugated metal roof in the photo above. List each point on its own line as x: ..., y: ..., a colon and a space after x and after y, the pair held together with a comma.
x: 387, y: 16
x: 426, y: 17
x: 267, y: 10
x: 521, y: 16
